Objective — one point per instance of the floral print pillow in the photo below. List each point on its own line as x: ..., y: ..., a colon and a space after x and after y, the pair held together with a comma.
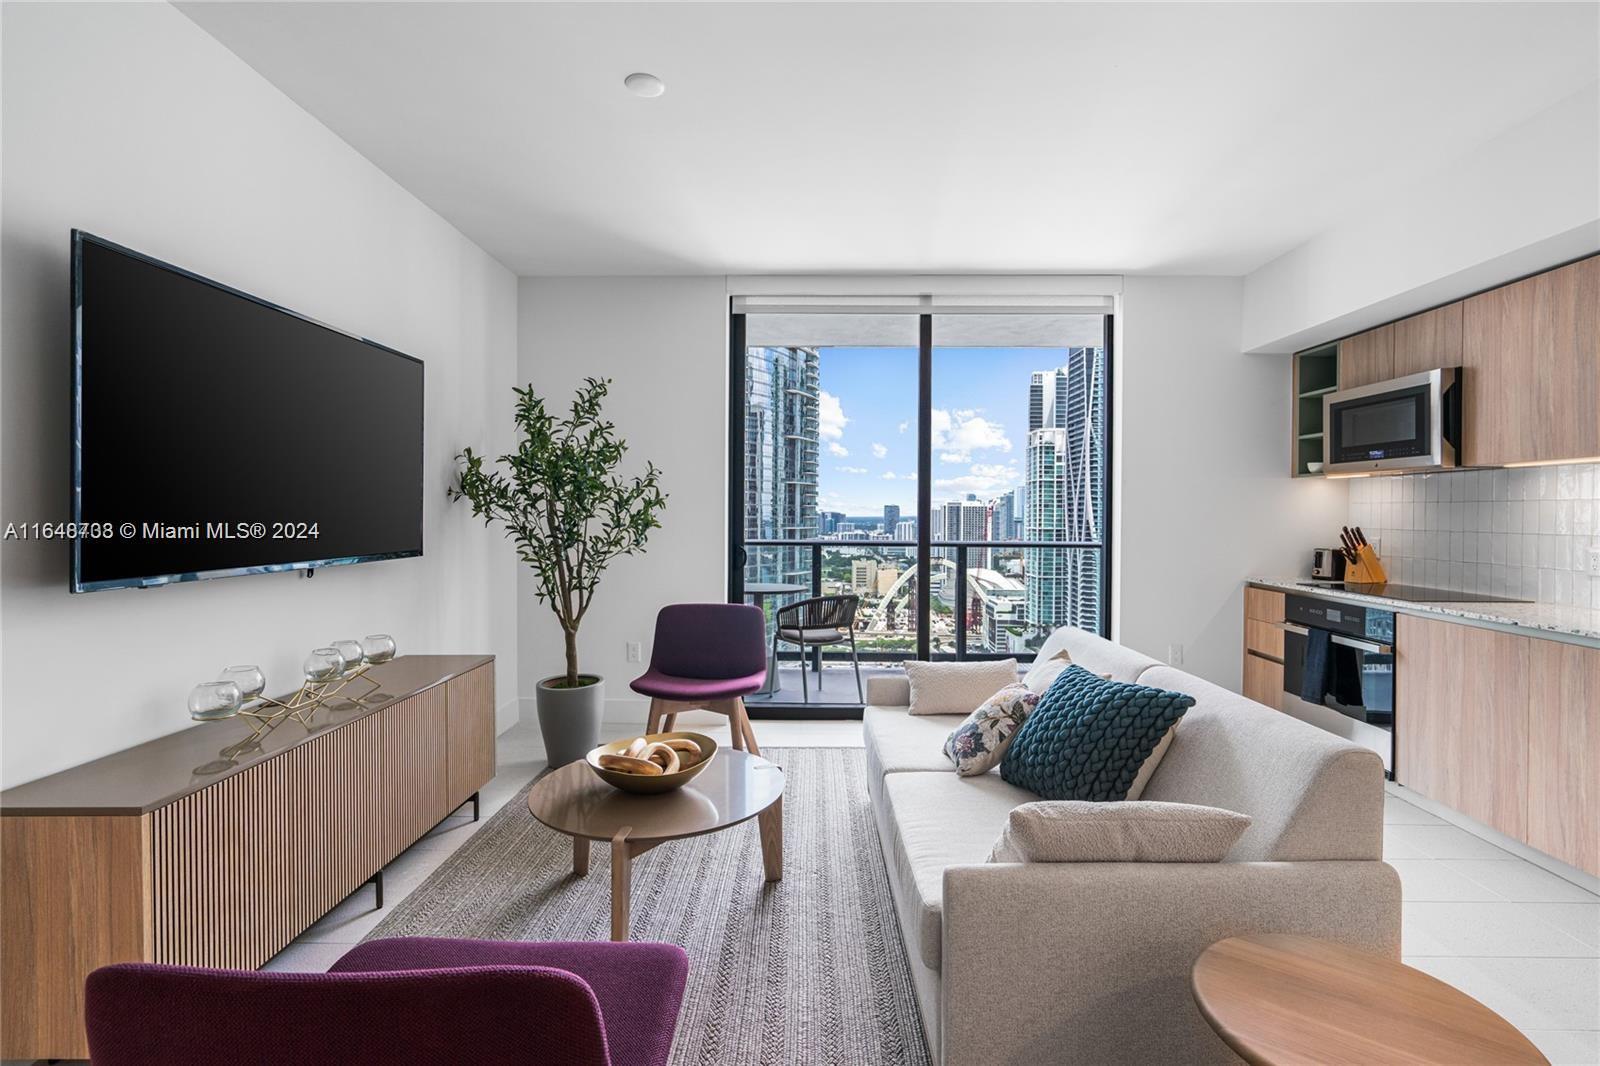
x: 979, y: 743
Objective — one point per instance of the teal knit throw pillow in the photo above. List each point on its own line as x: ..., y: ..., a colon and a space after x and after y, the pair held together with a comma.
x: 1088, y: 737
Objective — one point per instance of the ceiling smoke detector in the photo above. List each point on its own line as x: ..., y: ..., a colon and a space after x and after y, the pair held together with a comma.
x: 646, y: 85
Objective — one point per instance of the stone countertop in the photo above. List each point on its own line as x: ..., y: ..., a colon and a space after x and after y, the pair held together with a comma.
x: 1576, y: 624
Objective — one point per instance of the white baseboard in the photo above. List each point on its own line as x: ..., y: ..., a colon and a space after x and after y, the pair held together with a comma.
x: 507, y: 715
x: 1586, y: 881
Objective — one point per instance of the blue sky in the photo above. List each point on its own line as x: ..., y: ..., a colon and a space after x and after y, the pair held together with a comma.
x: 869, y: 431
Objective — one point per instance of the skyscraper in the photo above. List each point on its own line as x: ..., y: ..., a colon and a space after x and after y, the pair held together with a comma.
x: 891, y: 517
x: 906, y: 529
x: 1066, y: 460
x: 780, y: 459
x: 1002, y: 515
x: 966, y: 519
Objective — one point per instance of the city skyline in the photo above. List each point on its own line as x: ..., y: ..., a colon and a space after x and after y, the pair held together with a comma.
x: 1018, y: 449
x: 868, y: 424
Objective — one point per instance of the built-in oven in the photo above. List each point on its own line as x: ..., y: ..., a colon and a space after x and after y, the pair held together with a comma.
x: 1409, y: 423
x: 1338, y: 670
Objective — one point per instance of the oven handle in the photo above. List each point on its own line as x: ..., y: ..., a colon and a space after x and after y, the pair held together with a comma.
x: 1339, y: 638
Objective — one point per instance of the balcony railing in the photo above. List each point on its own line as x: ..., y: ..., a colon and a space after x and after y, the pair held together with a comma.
x: 979, y: 596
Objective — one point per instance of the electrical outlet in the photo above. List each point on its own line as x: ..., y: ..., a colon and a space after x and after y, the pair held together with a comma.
x: 1174, y: 654
x: 1594, y: 561
x: 634, y: 651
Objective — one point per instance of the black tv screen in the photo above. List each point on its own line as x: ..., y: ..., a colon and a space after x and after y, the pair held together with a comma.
x: 215, y: 434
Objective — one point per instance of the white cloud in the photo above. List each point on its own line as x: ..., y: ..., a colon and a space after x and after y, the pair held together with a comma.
x: 837, y: 450
x: 985, y: 480
x: 830, y: 416
x: 878, y: 450
x: 904, y: 426
x: 851, y: 469
x: 889, y: 475
x: 957, y: 434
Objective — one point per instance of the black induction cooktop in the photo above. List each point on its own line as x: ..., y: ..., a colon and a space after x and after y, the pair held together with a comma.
x: 1411, y: 593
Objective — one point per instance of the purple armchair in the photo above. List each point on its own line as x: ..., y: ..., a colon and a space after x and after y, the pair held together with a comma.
x: 709, y: 655
x: 408, y: 1002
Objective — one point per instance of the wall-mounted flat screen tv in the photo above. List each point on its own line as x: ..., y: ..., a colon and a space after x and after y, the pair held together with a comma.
x: 215, y: 434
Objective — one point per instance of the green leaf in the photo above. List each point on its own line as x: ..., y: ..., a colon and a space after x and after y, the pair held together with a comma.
x: 561, y: 500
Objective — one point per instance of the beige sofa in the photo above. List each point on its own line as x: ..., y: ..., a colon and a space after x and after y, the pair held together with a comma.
x: 1025, y: 964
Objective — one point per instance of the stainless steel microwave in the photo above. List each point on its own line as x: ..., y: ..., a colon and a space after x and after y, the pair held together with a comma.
x: 1405, y: 424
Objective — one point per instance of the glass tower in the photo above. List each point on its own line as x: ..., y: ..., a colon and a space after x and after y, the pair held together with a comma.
x: 1066, y: 460
x: 780, y: 460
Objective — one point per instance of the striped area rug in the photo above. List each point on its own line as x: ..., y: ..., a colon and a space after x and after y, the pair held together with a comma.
x: 808, y: 970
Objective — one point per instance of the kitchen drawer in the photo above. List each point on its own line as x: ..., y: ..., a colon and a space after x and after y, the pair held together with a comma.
x: 1263, y: 680
x: 1264, y: 605
x: 1263, y: 638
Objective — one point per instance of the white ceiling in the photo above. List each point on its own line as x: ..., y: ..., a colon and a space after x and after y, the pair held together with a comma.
x: 945, y: 138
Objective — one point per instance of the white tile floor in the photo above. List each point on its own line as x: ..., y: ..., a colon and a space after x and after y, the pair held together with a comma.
x: 1521, y: 939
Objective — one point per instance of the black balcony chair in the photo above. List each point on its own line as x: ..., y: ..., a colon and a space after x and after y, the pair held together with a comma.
x: 816, y: 622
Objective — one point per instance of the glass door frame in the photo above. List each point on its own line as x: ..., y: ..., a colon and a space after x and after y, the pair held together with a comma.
x: 925, y: 542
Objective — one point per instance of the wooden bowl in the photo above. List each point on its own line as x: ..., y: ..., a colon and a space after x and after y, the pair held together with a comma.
x: 647, y: 784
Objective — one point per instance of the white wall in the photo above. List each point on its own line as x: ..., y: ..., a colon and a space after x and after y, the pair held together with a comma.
x: 664, y: 342
x: 129, y: 121
x: 1523, y: 201
x: 1204, y: 498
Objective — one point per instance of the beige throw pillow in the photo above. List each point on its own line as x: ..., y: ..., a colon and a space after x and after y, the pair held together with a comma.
x: 1081, y: 831
x: 957, y: 688
x: 1044, y: 671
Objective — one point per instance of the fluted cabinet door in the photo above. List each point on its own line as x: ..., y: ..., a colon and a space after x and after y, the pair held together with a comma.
x: 471, y: 732
x: 243, y: 866
x: 415, y: 763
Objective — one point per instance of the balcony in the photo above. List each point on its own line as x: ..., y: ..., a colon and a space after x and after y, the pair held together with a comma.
x: 981, y: 603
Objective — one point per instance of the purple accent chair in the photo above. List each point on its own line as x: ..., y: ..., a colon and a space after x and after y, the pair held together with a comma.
x: 709, y: 655
x: 406, y: 1002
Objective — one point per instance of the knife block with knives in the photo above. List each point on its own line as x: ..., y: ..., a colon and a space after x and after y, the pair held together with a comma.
x: 1362, y: 565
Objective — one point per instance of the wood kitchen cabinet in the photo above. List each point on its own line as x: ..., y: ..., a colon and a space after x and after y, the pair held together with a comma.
x: 1461, y: 705
x: 1531, y: 353
x: 1263, y: 646
x: 1564, y: 754
x: 1428, y: 341
x: 1367, y: 357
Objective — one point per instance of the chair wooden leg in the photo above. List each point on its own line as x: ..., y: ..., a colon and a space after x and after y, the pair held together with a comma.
x: 670, y: 723
x: 652, y: 724
x: 731, y: 708
x: 741, y: 724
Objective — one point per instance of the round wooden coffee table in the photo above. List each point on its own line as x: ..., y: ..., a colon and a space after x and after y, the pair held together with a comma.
x: 736, y: 787
x: 1281, y: 999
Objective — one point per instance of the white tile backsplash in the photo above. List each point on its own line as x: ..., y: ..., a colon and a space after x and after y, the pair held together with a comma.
x: 1516, y: 532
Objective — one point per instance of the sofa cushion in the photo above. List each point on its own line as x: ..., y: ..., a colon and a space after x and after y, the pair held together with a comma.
x: 937, y: 820
x: 1076, y: 831
x: 1089, y: 737
x: 898, y: 742
x: 978, y: 744
x: 957, y: 687
x: 1310, y: 794
x: 1096, y: 654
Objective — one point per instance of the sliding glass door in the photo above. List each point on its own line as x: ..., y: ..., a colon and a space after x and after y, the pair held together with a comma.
x: 949, y: 470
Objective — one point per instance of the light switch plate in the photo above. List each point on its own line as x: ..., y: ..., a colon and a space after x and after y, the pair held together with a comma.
x: 634, y: 651
x: 1594, y: 561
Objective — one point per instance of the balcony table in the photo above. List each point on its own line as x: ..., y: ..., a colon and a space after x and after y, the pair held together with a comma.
x: 758, y: 591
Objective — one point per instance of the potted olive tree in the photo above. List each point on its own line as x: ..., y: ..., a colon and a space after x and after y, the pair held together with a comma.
x: 570, y: 513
